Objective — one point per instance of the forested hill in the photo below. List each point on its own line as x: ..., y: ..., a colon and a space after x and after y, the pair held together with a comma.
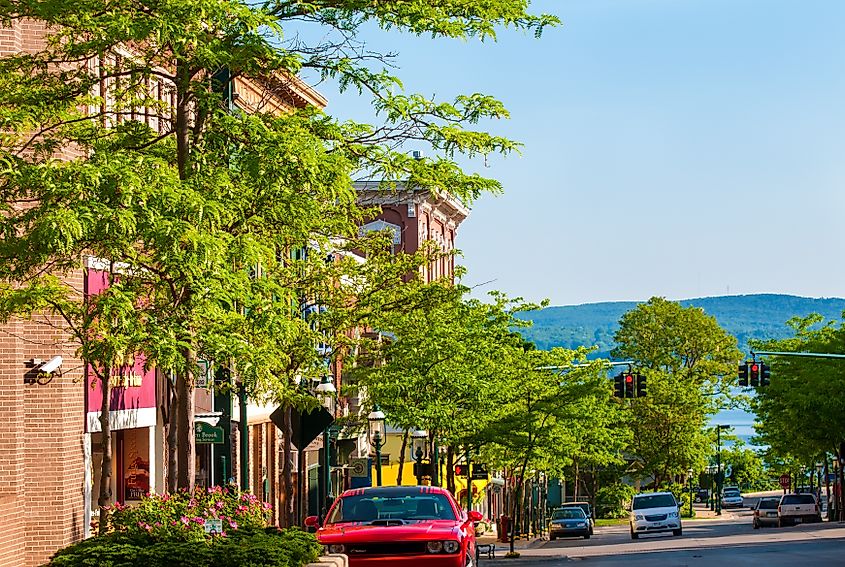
x: 761, y: 316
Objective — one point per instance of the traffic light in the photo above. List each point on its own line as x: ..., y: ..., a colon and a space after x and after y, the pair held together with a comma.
x: 619, y: 386
x: 765, y: 374
x: 743, y: 374
x: 629, y: 385
x: 641, y: 386
x: 461, y: 470
x: 754, y: 374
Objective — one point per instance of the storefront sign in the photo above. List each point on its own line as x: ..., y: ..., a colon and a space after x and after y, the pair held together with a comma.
x: 206, y: 433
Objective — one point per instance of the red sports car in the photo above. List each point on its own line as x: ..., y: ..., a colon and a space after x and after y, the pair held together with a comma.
x: 419, y: 526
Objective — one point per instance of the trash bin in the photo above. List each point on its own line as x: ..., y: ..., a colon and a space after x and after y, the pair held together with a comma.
x: 504, y: 529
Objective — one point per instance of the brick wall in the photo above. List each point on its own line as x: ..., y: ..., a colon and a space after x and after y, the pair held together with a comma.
x: 41, y: 453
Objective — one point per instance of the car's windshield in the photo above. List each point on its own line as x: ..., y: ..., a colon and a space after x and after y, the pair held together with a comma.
x: 732, y: 494
x: 583, y: 506
x: 568, y: 514
x: 654, y: 501
x: 798, y: 499
x: 768, y: 504
x: 409, y: 506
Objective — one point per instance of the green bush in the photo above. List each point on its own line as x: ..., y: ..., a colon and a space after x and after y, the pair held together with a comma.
x: 611, y: 500
x: 242, y: 548
x: 169, y: 531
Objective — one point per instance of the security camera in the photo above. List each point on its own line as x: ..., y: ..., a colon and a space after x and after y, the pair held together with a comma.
x: 51, y: 365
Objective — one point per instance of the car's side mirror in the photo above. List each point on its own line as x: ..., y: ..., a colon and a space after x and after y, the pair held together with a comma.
x: 474, y: 516
x: 312, y: 522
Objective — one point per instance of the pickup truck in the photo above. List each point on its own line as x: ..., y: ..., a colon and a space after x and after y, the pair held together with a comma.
x: 797, y: 508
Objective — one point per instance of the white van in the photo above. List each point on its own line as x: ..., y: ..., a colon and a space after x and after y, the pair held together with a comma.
x: 654, y: 512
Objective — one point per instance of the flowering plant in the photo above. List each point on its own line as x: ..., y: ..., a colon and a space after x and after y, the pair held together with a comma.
x: 182, y: 516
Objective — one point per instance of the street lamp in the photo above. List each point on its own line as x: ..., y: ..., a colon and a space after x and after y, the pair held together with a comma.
x: 326, y: 391
x: 377, y: 437
x: 719, y: 429
x: 689, y: 474
x: 419, y: 444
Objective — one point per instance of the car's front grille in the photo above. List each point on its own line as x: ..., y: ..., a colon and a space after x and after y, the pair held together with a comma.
x: 656, y: 518
x: 388, y: 548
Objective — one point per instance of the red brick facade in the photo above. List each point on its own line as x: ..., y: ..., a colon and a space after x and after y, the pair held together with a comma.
x: 41, y: 449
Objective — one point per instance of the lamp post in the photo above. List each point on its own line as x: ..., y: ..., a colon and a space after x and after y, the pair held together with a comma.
x: 689, y: 474
x: 326, y: 391
x: 377, y: 437
x: 418, y: 447
x: 719, y: 429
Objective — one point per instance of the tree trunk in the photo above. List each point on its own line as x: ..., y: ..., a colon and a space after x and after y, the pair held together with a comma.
x: 286, y: 504
x: 185, y: 423
x: 170, y: 408
x: 519, y: 491
x: 577, y: 480
x: 402, y: 457
x: 104, y: 496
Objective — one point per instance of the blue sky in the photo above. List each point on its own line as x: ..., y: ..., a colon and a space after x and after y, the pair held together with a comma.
x: 681, y: 148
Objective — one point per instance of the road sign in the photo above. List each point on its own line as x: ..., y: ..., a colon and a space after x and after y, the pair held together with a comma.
x: 479, y: 472
x: 784, y: 481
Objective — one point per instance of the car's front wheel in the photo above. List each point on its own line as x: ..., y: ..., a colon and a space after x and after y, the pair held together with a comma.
x: 587, y: 535
x: 678, y: 532
x: 634, y: 535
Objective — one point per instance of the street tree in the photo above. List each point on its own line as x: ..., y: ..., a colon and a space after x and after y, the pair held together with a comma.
x: 689, y: 361
x: 162, y: 177
x: 800, y: 413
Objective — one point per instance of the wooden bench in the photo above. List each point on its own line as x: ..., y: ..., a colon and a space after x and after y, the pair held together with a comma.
x: 488, y: 548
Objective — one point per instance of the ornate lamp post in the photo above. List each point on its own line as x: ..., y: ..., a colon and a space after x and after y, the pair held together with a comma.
x: 326, y: 391
x: 377, y: 437
x: 419, y: 444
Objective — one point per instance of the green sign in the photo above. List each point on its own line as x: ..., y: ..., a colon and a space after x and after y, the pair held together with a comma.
x: 206, y: 433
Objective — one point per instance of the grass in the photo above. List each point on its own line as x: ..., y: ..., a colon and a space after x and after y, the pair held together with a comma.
x: 611, y: 521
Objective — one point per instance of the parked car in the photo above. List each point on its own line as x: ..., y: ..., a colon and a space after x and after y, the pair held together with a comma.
x: 588, y: 511
x: 569, y: 521
x: 701, y: 495
x: 412, y: 526
x: 732, y: 498
x: 765, y: 512
x: 796, y: 508
x: 655, y: 512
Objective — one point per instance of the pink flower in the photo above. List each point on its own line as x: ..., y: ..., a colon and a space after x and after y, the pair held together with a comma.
x: 233, y: 524
x: 185, y: 520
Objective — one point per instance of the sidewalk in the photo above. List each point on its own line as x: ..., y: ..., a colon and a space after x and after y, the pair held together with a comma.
x: 491, y: 538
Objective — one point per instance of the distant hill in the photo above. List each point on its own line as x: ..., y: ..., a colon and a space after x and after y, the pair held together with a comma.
x: 760, y: 316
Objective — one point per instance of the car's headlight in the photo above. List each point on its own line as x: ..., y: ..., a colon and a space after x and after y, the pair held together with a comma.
x: 580, y: 524
x: 451, y: 546
x: 639, y: 517
x: 673, y: 514
x: 337, y: 548
x: 434, y: 546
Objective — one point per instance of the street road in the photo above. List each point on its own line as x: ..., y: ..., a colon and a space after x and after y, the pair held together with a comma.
x: 728, y: 542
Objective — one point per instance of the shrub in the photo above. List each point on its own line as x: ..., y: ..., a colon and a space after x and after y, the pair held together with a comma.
x: 611, y: 499
x: 169, y: 531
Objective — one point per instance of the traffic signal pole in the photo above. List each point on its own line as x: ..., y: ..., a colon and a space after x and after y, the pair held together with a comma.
x: 805, y: 354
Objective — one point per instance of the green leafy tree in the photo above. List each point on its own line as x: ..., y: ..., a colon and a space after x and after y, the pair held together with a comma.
x: 191, y: 196
x: 688, y: 360
x: 799, y: 413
